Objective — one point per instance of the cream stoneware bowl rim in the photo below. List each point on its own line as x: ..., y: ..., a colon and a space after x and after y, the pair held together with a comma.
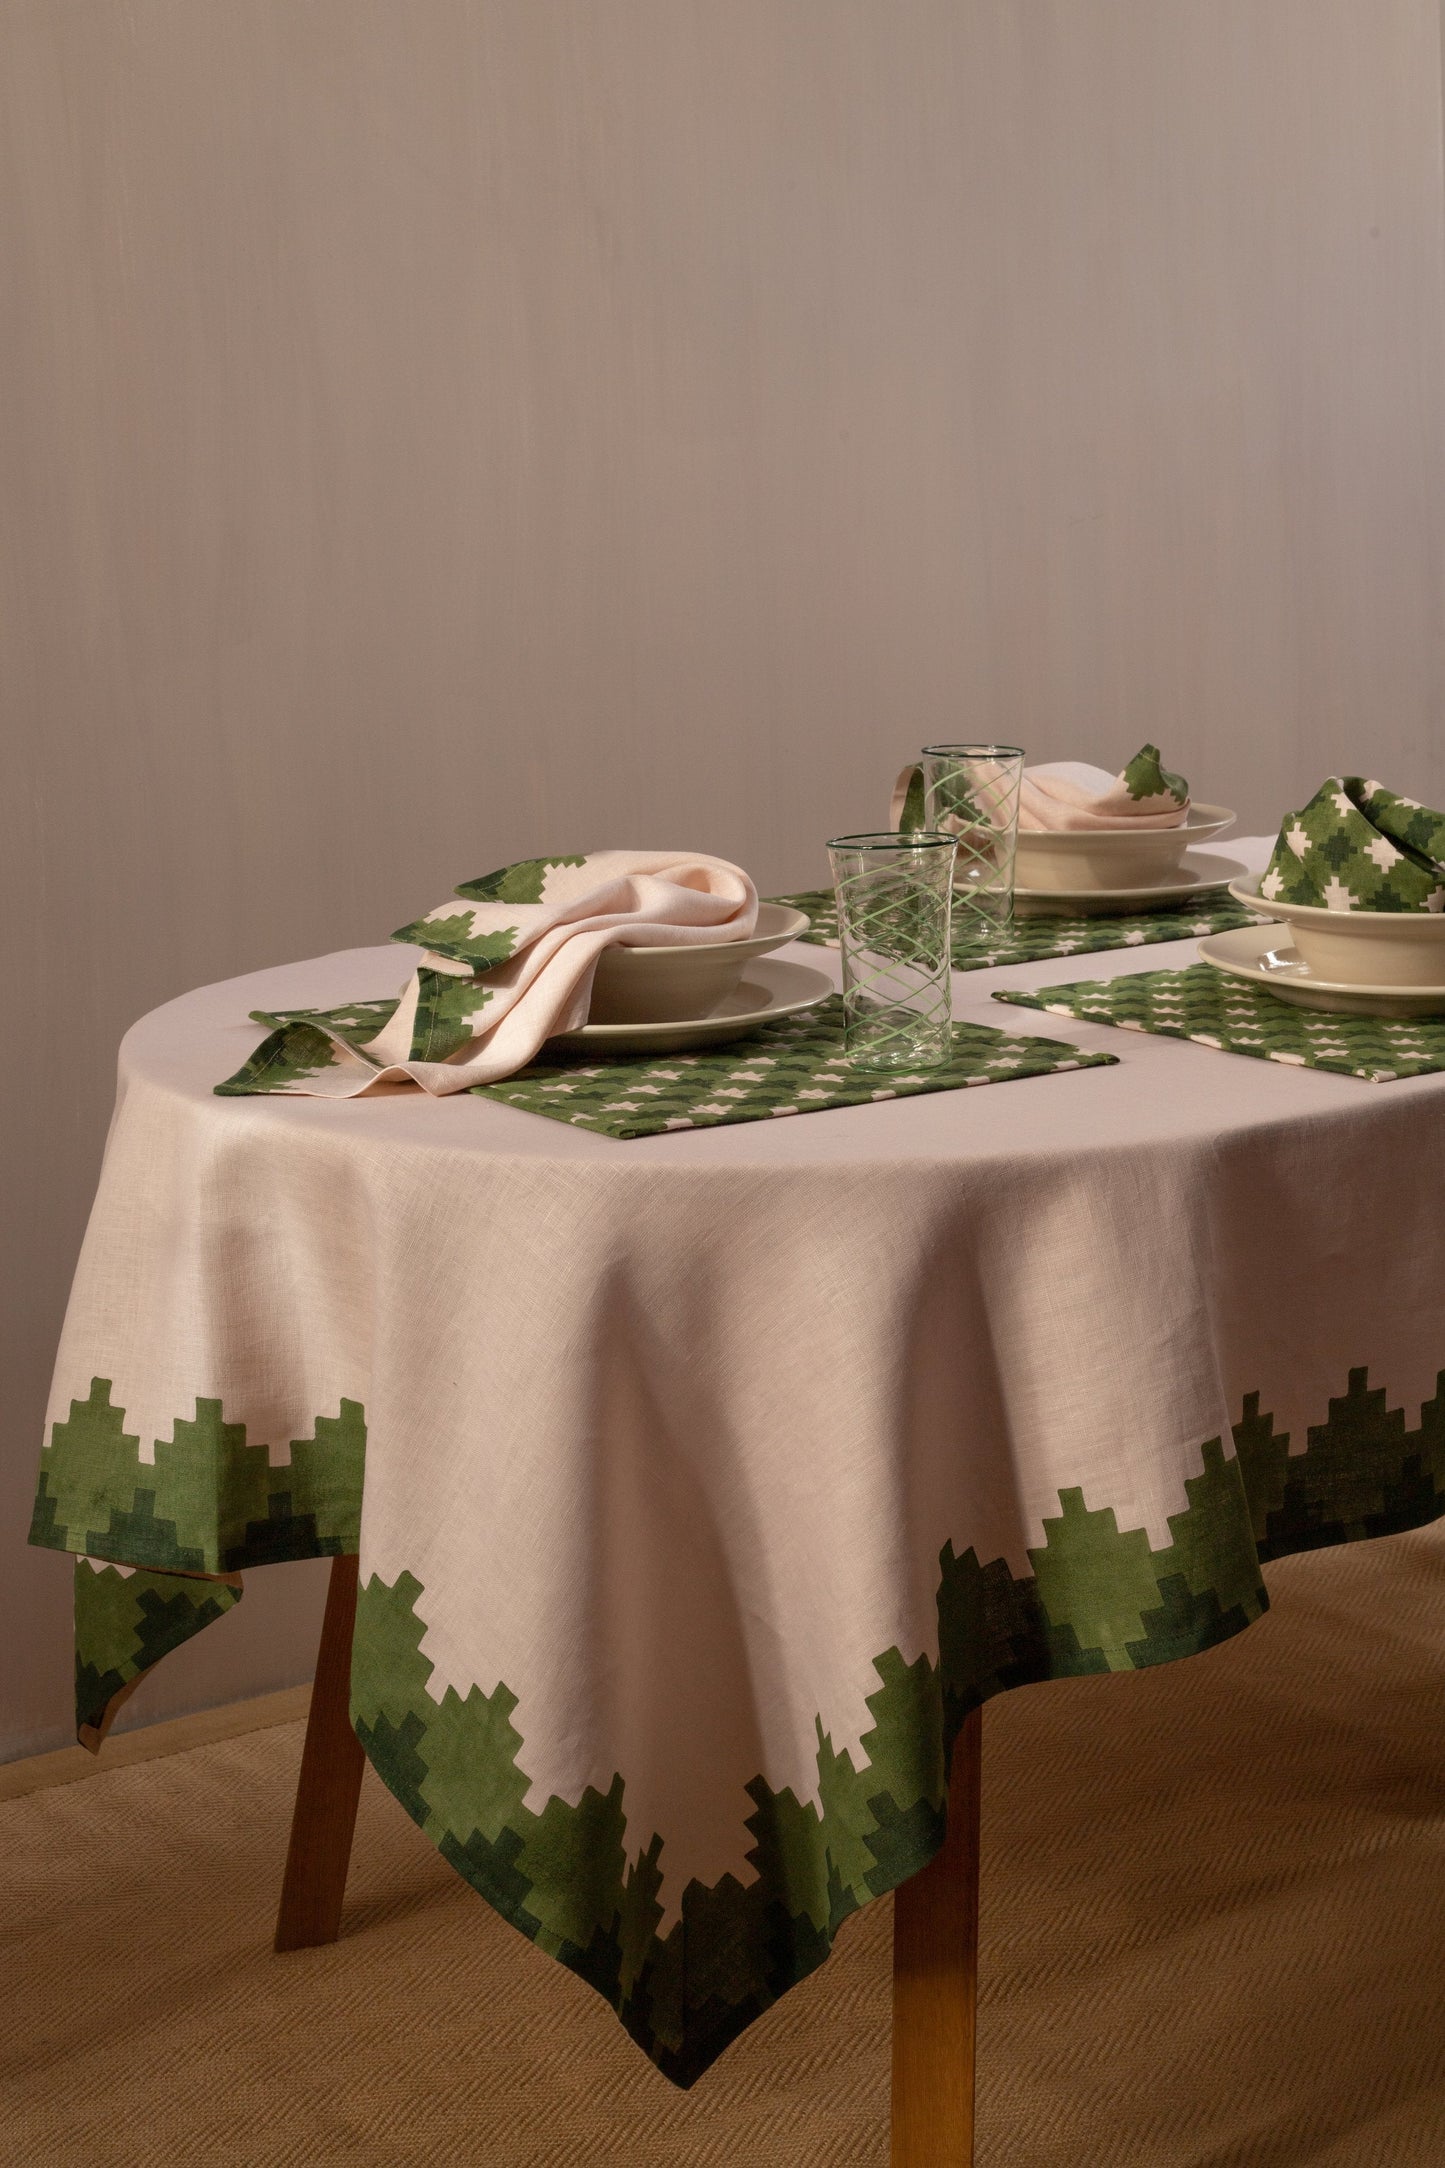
x: 1170, y: 887
x: 1188, y: 833
x: 793, y: 923
x: 1215, y: 951
x: 663, y: 982
x: 1372, y: 925
x: 1300, y: 986
x: 771, y: 977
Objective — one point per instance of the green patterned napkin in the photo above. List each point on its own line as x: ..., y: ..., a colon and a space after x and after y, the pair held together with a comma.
x: 795, y: 1066
x: 1204, y: 1005
x: 1035, y: 940
x: 1148, y: 781
x: 1359, y: 847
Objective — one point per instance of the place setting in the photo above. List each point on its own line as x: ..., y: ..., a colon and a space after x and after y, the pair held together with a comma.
x: 1090, y: 842
x: 1358, y: 879
x: 614, y: 991
x: 1343, y: 964
x: 1078, y: 859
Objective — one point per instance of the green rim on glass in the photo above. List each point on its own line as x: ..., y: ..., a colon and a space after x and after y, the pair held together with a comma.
x: 895, y: 901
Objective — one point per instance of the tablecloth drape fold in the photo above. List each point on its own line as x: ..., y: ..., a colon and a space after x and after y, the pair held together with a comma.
x: 574, y: 1875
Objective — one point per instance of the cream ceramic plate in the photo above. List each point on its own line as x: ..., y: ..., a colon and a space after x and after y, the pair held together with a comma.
x: 1265, y: 956
x: 1359, y: 948
x: 769, y: 990
x: 1059, y: 859
x: 684, y: 979
x: 1197, y: 875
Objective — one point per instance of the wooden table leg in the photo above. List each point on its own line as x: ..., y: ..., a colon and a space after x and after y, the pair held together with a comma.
x: 935, y: 1982
x: 331, y: 1764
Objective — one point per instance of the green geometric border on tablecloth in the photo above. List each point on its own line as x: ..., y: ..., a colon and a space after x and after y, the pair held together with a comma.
x: 205, y: 1501
x: 1205, y: 1006
x: 1100, y: 1598
x: 125, y: 1623
x: 796, y: 1066
x: 1035, y: 940
x: 574, y: 1877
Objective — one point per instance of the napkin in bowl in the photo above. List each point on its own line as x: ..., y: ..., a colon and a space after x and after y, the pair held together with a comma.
x: 1070, y: 794
x: 505, y: 967
x: 1359, y: 847
x: 1066, y: 794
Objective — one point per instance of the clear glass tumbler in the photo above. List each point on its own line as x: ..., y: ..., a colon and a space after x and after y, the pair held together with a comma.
x: 895, y: 895
x: 971, y: 792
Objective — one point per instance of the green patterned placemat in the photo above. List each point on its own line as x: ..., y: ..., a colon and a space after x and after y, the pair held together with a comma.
x: 1204, y: 1005
x: 795, y: 1066
x: 1034, y: 940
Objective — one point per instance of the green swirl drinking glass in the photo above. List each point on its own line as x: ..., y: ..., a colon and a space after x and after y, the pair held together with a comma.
x: 895, y: 898
x: 971, y: 792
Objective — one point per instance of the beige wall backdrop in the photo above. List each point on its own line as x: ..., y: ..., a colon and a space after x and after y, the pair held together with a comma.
x: 435, y: 431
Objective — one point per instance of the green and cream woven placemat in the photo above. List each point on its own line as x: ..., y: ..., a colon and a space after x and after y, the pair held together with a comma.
x: 1034, y: 940
x: 1203, y: 1005
x: 795, y: 1066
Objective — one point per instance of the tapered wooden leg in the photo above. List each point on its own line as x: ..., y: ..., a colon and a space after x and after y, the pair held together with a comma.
x: 935, y: 1983
x: 331, y: 1764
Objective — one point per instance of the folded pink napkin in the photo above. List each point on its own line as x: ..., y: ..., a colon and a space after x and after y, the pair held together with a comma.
x: 505, y: 967
x: 1071, y: 794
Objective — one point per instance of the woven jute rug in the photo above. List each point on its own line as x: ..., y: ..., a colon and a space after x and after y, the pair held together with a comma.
x: 1214, y: 1912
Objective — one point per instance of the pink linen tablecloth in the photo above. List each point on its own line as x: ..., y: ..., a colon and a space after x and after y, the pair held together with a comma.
x: 703, y: 1483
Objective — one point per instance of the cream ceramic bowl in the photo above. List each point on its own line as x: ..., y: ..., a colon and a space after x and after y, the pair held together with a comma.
x: 1358, y: 948
x: 668, y: 985
x: 1054, y: 861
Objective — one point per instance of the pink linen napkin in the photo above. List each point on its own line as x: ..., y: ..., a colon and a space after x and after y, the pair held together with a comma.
x: 1066, y: 794
x: 1070, y: 794
x: 506, y: 966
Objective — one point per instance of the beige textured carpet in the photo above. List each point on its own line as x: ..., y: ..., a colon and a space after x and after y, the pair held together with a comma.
x: 1214, y: 1937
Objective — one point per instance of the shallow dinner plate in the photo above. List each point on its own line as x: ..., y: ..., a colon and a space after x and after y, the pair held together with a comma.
x: 655, y: 984
x: 768, y: 991
x: 1195, y: 876
x: 1265, y: 956
x: 1059, y: 859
